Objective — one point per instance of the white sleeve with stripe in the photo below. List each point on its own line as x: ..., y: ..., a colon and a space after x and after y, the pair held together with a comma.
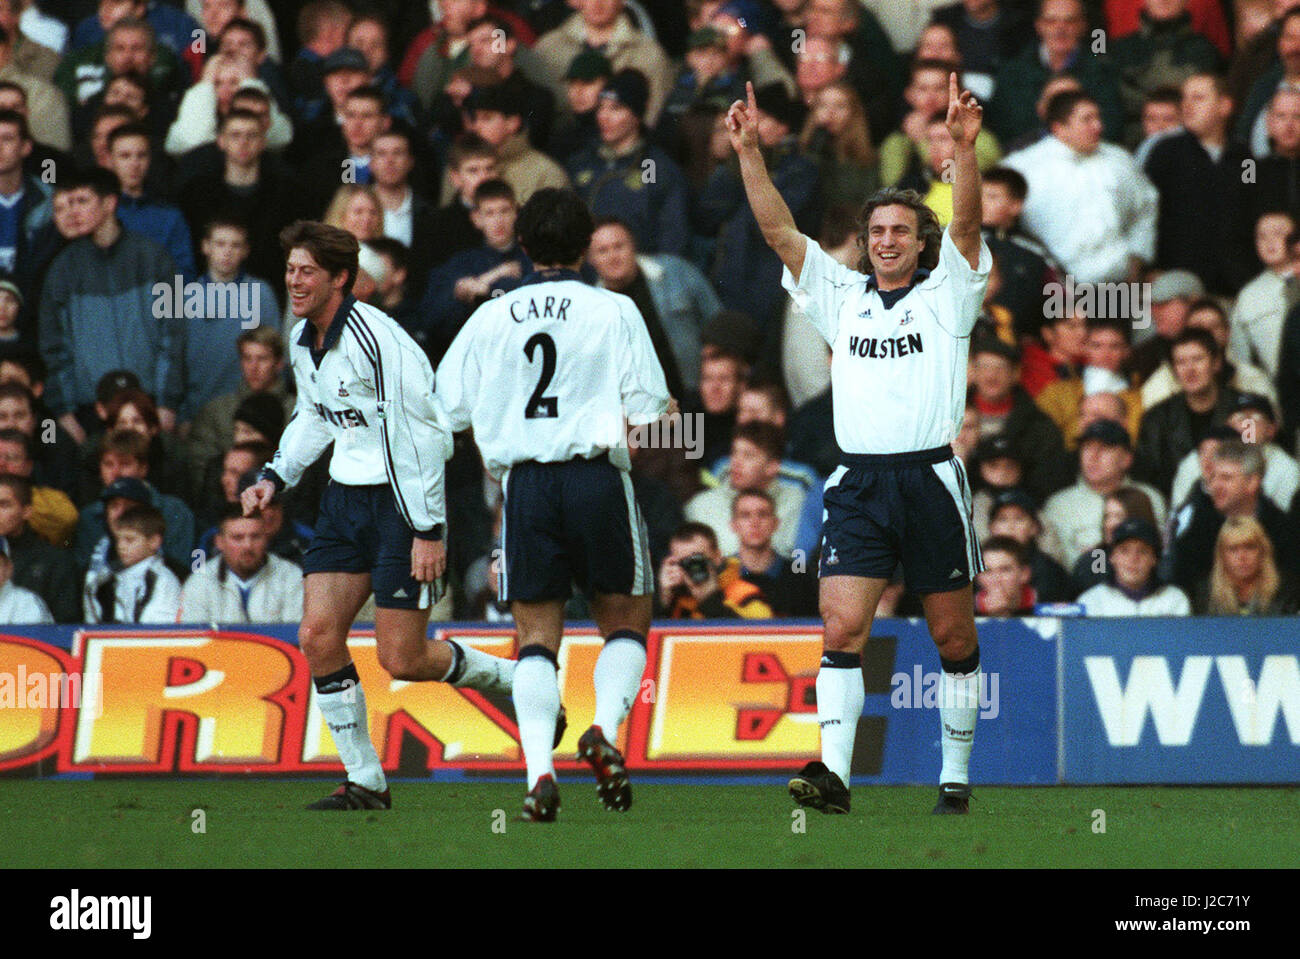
x: 305, y: 437
x: 413, y: 437
x: 458, y: 378
x: 641, y: 380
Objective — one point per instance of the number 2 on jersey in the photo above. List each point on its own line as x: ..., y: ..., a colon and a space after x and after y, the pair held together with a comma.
x: 541, y: 407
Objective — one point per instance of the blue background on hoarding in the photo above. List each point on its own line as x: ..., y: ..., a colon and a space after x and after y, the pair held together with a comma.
x: 1017, y: 746
x: 1214, y: 752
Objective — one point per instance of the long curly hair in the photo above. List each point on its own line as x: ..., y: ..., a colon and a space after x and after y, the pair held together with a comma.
x: 927, y: 225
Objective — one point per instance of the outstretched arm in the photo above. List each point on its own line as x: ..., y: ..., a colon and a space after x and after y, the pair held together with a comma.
x: 965, y: 116
x: 773, y: 216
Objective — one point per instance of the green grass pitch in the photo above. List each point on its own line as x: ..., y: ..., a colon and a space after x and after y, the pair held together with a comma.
x: 150, y: 823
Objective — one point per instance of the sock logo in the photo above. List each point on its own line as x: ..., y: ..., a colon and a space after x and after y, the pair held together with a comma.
x: 341, y: 727
x: 962, y: 735
x: 828, y: 722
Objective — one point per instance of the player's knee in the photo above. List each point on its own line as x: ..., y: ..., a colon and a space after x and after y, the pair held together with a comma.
x: 843, y: 632
x: 318, y: 638
x: 400, y: 664
x: 956, y: 640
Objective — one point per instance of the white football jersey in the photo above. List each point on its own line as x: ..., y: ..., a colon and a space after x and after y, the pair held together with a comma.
x: 549, y: 371
x: 898, y: 374
x: 372, y: 397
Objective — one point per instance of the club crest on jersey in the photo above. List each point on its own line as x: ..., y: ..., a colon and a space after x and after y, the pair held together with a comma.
x: 381, y: 409
x: 907, y: 318
x: 343, y: 390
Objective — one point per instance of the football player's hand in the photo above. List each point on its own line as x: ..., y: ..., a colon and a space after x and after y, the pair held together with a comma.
x: 256, y: 496
x: 428, y: 559
x: 965, y: 115
x: 742, y: 122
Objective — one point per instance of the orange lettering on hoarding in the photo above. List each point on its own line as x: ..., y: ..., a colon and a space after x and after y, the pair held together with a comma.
x: 31, y: 678
x: 738, y: 697
x: 222, y: 698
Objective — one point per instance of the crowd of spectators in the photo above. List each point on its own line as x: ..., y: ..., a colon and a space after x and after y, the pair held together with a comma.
x: 1130, y: 451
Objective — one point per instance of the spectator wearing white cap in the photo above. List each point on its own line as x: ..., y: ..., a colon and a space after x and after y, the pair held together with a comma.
x: 1172, y: 294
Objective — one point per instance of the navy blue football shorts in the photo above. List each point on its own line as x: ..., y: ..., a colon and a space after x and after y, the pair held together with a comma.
x: 360, y: 530
x: 908, y: 508
x: 572, y: 522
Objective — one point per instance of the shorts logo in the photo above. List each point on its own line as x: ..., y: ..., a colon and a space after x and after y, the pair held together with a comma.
x: 954, y: 574
x: 831, y: 558
x: 401, y: 594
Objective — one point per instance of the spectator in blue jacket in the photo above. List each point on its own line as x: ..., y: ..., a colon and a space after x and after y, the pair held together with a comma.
x: 628, y: 177
x: 99, y: 312
x: 233, y: 301
x: 673, y: 296
x: 130, y: 156
x: 174, y: 27
x: 27, y: 238
x: 457, y: 287
x: 746, y: 272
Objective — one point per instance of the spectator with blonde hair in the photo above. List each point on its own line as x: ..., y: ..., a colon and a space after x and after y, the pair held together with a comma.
x: 1245, y: 580
x: 356, y: 208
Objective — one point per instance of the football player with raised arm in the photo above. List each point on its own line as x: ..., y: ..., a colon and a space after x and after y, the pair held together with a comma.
x: 365, y: 386
x: 899, y: 329
x: 542, y: 373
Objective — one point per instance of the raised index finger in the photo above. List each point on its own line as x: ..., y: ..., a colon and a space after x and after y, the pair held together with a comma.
x: 749, y: 92
x: 953, y: 93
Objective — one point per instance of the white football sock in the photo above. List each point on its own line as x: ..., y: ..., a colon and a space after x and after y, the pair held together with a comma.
x: 345, y: 714
x: 958, y: 709
x: 617, y: 678
x: 840, y: 695
x: 537, y: 703
x: 482, y: 671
